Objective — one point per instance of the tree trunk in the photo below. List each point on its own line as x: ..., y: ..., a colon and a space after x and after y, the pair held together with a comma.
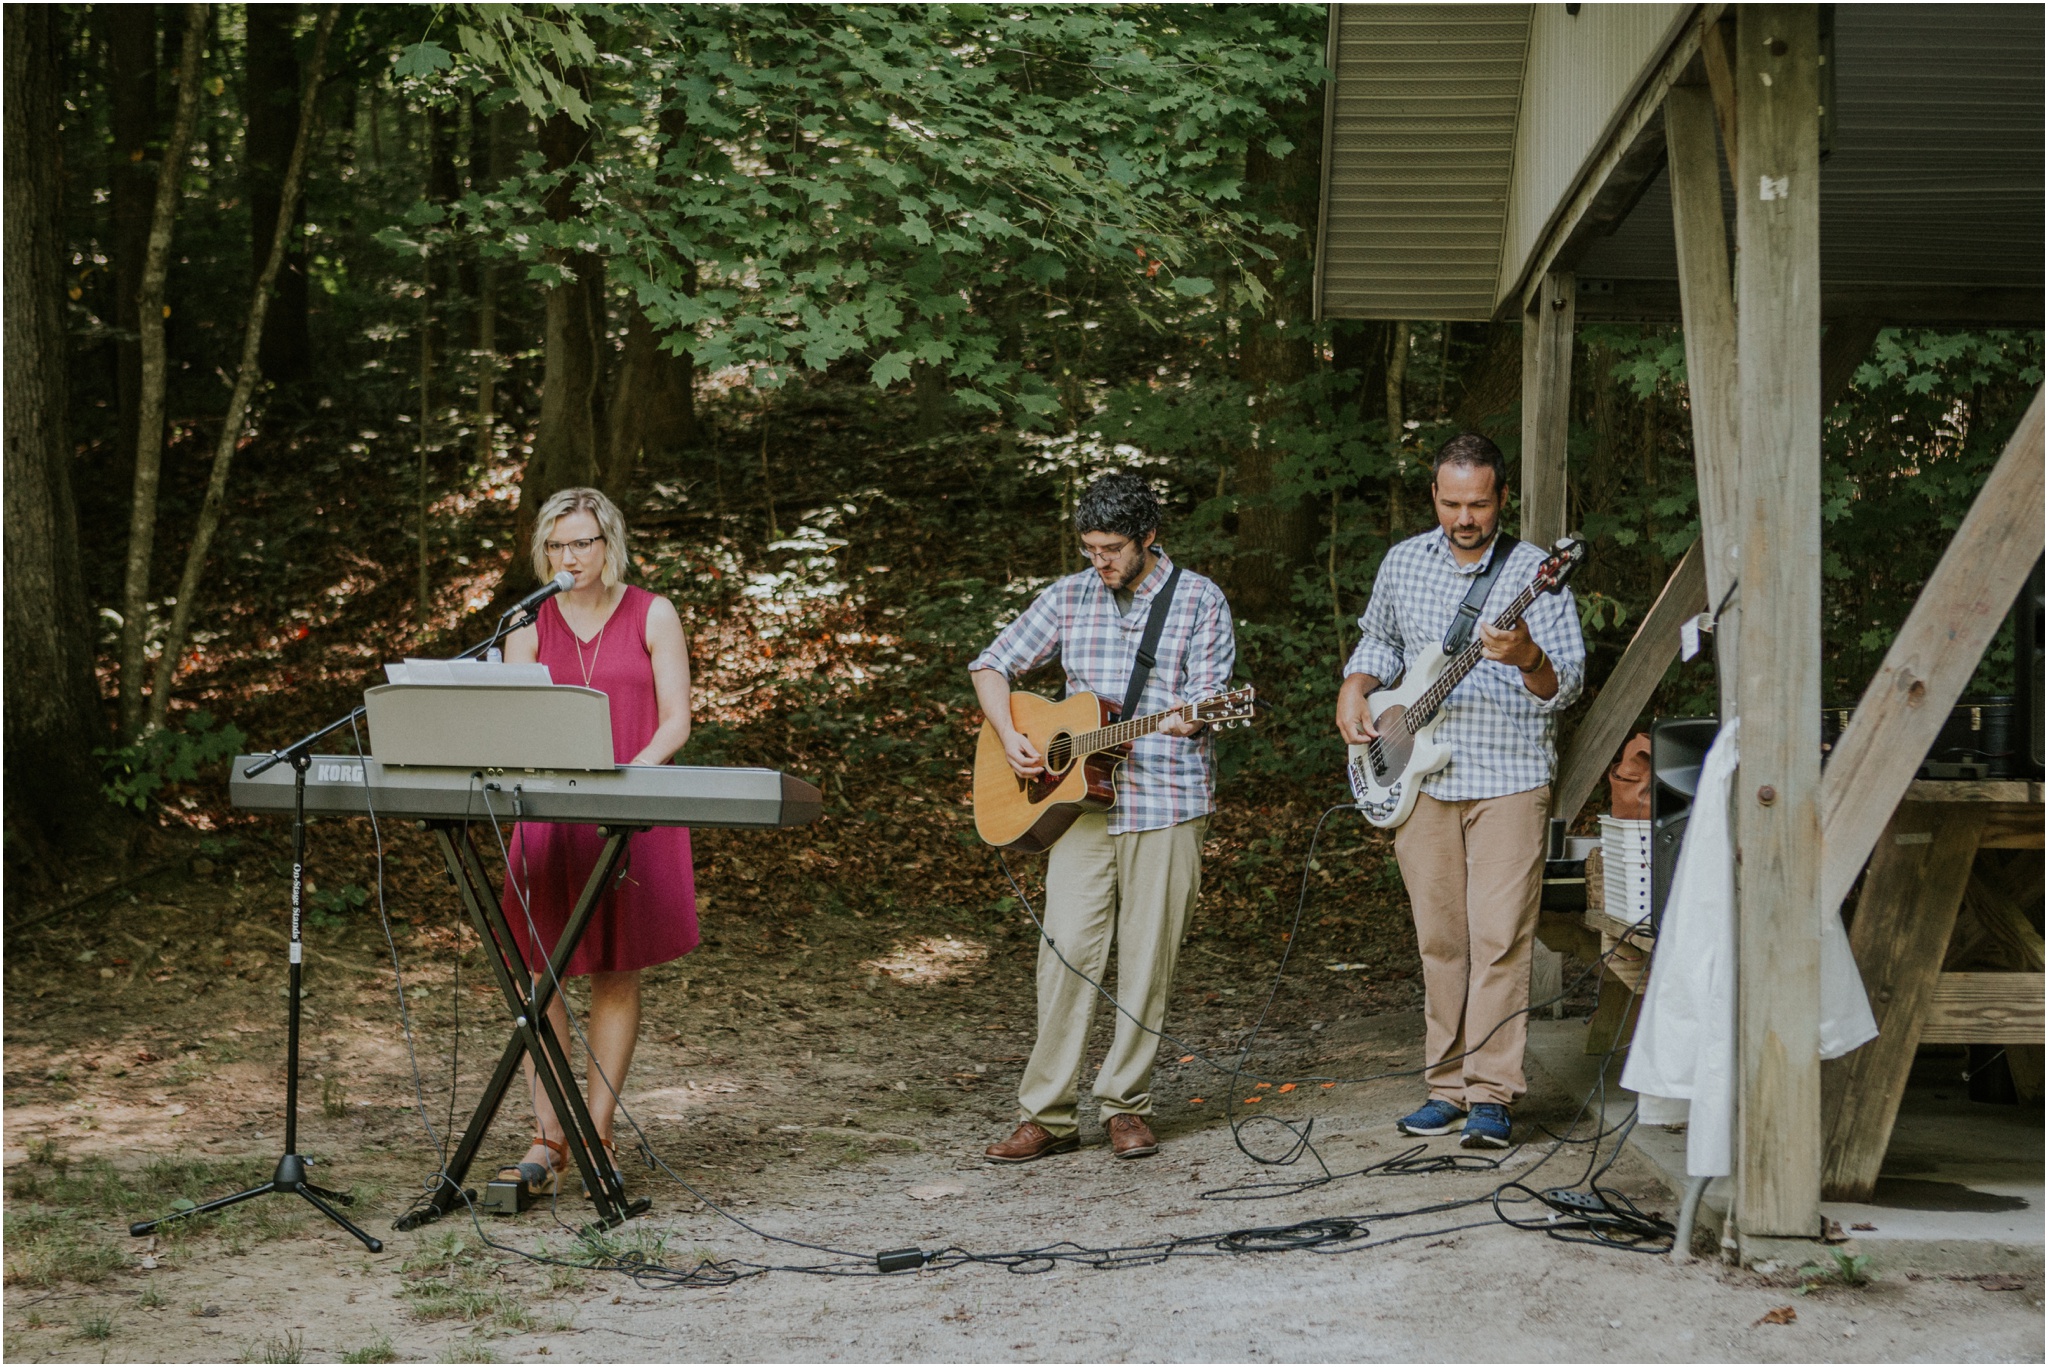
x: 484, y: 173
x: 566, y: 450
x: 246, y: 377
x: 1277, y: 529
x: 928, y: 389
x: 1491, y: 386
x: 653, y: 416
x: 53, y: 719
x: 131, y: 76
x: 272, y: 96
x: 149, y: 426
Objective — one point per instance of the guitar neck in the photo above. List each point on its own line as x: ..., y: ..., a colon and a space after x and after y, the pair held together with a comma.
x: 1461, y: 664
x: 1124, y: 732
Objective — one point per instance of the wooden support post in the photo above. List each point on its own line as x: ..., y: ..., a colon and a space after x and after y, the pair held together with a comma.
x: 1546, y: 422
x: 1717, y: 55
x: 1932, y: 658
x: 1777, y: 309
x: 1901, y: 930
x: 1635, y: 676
x: 1546, y: 405
x: 1708, y: 306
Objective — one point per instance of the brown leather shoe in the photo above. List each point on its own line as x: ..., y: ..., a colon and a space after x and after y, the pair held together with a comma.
x: 1031, y: 1141
x: 1131, y: 1137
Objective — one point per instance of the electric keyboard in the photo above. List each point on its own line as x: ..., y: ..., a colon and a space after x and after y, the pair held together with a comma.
x: 629, y: 795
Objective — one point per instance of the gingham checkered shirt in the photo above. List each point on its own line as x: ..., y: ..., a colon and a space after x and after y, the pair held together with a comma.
x: 1502, y: 737
x: 1167, y: 779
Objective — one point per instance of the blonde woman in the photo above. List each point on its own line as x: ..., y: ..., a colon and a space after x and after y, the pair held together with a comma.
x: 628, y: 643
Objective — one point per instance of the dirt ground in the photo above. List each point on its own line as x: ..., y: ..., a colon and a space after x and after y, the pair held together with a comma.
x: 830, y: 1078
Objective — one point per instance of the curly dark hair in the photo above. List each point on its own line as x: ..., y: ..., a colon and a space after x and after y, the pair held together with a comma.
x: 1471, y: 449
x: 1121, y: 502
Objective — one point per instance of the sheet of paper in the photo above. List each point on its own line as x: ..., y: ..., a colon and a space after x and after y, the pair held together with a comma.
x: 472, y: 673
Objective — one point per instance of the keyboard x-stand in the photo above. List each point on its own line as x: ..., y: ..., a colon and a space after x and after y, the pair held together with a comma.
x: 450, y: 801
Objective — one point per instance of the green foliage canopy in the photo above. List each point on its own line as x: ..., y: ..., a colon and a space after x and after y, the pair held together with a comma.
x: 794, y: 186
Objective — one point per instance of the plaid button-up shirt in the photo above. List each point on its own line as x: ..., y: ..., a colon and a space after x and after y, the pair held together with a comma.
x: 1502, y: 737
x: 1167, y: 779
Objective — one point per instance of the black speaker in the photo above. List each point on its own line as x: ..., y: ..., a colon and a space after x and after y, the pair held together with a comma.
x: 1678, y: 746
x: 2027, y: 667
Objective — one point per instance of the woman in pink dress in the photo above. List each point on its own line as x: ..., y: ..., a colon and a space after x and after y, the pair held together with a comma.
x: 627, y: 643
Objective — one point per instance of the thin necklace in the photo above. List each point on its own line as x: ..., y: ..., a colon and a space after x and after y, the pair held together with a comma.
x: 596, y: 649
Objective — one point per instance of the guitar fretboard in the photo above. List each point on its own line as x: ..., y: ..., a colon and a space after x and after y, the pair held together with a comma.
x: 1123, y: 732
x: 1424, y: 708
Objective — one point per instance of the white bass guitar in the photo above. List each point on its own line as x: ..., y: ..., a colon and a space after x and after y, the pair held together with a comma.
x: 1386, y: 774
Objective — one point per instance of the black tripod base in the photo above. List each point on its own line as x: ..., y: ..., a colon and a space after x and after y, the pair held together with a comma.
x: 445, y: 1197
x: 289, y: 1177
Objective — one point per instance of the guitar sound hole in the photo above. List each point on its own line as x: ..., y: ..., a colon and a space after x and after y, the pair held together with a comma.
x: 1059, y: 754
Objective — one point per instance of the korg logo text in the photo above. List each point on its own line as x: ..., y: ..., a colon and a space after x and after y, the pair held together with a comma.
x: 337, y: 773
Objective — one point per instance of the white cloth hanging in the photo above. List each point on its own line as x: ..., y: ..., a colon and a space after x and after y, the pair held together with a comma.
x: 1681, y: 1063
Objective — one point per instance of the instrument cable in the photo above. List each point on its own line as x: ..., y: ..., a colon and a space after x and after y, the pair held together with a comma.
x: 1607, y: 1217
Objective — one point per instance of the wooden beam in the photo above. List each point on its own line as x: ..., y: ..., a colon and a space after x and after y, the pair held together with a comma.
x: 2008, y: 791
x: 1984, y: 1008
x: 1777, y: 309
x: 1901, y: 931
x: 1635, y: 676
x: 1565, y: 932
x: 1701, y: 235
x: 1546, y: 409
x: 1717, y: 44
x: 1333, y: 49
x: 1896, y: 303
x: 1932, y: 658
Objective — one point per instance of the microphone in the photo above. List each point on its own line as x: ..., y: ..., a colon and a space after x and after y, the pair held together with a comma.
x: 561, y: 583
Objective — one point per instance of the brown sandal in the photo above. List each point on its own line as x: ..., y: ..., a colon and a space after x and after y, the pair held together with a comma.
x: 541, y: 1180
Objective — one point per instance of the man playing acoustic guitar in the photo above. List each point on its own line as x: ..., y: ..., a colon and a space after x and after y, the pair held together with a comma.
x: 1472, y: 851
x: 1135, y: 869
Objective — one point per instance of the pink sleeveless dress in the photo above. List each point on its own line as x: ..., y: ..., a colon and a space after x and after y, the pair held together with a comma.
x: 649, y: 914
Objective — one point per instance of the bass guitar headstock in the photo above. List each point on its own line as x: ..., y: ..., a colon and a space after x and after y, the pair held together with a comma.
x: 1556, y: 571
x: 1225, y: 710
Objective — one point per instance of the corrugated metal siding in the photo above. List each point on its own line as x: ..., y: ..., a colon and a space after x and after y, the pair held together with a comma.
x: 1580, y: 71
x: 1421, y: 147
x: 1936, y: 174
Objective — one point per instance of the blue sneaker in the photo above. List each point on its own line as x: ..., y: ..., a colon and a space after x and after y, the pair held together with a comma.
x: 1435, y: 1117
x: 1487, y: 1127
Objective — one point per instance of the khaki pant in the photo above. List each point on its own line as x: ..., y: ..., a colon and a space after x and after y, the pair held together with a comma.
x: 1141, y: 887
x: 1474, y: 872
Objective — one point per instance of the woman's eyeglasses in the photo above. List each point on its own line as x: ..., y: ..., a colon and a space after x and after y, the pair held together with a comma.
x: 582, y: 546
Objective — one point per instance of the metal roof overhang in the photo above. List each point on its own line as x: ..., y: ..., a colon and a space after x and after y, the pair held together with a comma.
x: 1931, y: 198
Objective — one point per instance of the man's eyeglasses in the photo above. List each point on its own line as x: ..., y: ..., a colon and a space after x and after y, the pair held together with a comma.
x: 1105, y: 554
x: 581, y: 546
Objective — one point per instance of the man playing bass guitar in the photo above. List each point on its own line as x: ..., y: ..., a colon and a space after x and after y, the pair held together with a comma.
x: 1136, y: 868
x: 1472, y: 851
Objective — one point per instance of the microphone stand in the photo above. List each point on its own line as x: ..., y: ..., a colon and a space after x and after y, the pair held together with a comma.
x: 290, y: 1175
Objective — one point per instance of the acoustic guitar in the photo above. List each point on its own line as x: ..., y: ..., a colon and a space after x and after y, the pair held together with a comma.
x: 1386, y: 774
x: 1082, y: 743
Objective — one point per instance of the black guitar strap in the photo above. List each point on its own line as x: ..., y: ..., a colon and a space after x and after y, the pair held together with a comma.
x: 1155, y: 625
x: 1475, y: 597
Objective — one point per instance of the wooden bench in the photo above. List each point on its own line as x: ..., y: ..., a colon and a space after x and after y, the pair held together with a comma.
x: 1927, y: 904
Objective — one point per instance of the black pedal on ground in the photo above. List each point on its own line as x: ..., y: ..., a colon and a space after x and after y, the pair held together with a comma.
x: 506, y: 1196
